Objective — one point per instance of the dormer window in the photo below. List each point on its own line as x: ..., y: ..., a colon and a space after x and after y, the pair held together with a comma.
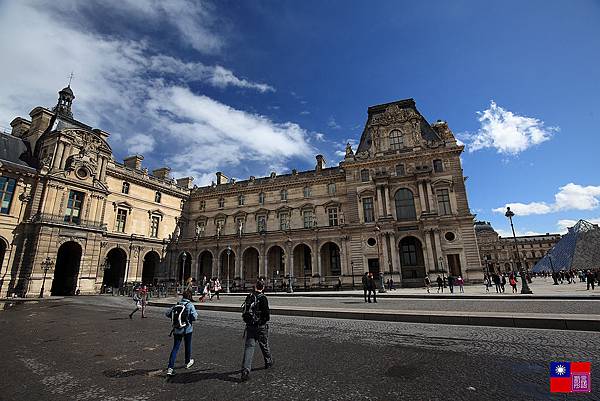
x: 202, y: 205
x: 438, y: 166
x: 396, y: 140
x: 331, y: 189
x: 125, y: 187
x: 157, y: 197
x: 307, y: 192
x: 261, y: 198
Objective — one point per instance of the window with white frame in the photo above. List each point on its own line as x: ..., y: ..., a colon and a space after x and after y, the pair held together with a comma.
x: 364, y: 175
x: 331, y: 188
x: 241, y: 200
x: 121, y: 220
x: 307, y: 192
x: 308, y: 218
x: 443, y: 197
x: 261, y: 198
x: 332, y: 213
x: 154, y: 224
x: 221, y: 203
x: 283, y: 194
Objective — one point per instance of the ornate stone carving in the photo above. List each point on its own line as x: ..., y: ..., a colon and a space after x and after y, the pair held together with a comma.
x: 393, y: 114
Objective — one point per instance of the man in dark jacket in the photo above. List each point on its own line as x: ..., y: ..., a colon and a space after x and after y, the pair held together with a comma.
x: 371, y: 288
x: 365, y: 279
x: 451, y: 283
x: 257, y: 331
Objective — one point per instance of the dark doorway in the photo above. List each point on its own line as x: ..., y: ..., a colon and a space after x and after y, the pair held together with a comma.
x: 2, y: 252
x: 251, y: 261
x: 330, y: 260
x: 116, y: 262
x: 205, y: 260
x: 184, y: 267
x: 150, y: 269
x: 374, y: 267
x: 454, y: 264
x: 411, y: 260
x: 67, y: 269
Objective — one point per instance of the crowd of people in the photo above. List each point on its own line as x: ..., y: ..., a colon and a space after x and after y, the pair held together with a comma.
x: 590, y: 277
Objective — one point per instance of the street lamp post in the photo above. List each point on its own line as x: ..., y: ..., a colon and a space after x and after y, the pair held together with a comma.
x: 228, y: 253
x: 554, y: 277
x: 524, y: 286
x: 46, y: 265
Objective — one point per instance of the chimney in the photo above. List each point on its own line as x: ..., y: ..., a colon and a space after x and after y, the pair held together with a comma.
x: 40, y: 120
x: 20, y: 126
x: 221, y: 178
x: 162, y: 172
x: 185, y: 182
x: 134, y: 162
x: 320, y: 163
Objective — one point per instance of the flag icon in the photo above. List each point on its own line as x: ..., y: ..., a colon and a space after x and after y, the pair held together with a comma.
x: 570, y: 377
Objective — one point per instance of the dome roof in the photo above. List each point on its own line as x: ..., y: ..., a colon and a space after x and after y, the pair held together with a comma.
x: 481, y: 226
x: 67, y: 90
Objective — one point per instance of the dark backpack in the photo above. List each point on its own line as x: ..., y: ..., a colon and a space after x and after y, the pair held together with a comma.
x: 179, y: 316
x: 251, y: 310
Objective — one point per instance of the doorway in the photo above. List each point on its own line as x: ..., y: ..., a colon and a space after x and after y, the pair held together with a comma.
x: 67, y: 269
x: 454, y: 264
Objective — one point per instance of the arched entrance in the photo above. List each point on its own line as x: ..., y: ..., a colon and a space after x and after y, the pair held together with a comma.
x: 275, y: 262
x: 205, y: 262
x: 331, y: 264
x: 184, y: 267
x: 116, y: 263
x: 150, y: 269
x: 224, y: 266
x: 412, y: 263
x: 302, y: 261
x: 67, y: 269
x: 251, y: 272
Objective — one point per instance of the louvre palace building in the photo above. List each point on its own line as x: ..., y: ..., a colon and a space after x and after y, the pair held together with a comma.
x: 75, y: 220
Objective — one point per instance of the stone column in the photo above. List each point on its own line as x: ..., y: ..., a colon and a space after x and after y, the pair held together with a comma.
x: 429, y: 267
x: 381, y: 213
x: 430, y: 195
x: 63, y: 157
x: 395, y: 256
x: 384, y: 253
x: 422, y: 197
x: 388, y: 200
x: 58, y: 155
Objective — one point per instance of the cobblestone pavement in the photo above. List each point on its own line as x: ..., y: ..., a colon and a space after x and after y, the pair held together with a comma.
x: 86, y: 348
x: 461, y: 305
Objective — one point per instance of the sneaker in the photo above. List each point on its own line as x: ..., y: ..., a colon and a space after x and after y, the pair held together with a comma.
x: 189, y: 364
x: 170, y: 372
x: 268, y: 365
x: 245, y: 375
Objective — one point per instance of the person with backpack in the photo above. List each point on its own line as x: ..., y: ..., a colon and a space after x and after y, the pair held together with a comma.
x: 256, y: 314
x: 513, y: 283
x: 140, y: 298
x: 182, y: 315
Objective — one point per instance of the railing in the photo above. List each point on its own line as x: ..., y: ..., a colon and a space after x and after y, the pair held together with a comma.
x: 56, y: 219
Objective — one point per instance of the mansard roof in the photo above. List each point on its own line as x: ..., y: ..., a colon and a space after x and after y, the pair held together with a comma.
x: 377, y: 115
x: 14, y: 151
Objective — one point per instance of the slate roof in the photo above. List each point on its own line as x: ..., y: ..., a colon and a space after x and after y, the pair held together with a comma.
x: 579, y: 249
x: 13, y: 151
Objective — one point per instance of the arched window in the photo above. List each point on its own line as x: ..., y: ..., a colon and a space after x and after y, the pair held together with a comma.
x: 405, y: 205
x: 261, y: 198
x: 396, y: 140
x: 241, y: 200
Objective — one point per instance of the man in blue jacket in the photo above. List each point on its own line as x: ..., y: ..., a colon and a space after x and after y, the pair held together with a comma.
x: 183, y: 333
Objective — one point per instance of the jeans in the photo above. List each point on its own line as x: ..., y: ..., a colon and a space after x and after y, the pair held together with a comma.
x: 256, y: 334
x: 374, y: 291
x: 177, y: 338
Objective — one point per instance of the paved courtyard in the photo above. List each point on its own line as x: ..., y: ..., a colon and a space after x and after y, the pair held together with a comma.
x: 85, y: 348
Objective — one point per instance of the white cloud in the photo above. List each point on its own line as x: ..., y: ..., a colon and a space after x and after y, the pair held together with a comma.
x: 331, y: 123
x: 319, y: 136
x: 129, y: 88
x: 304, y: 112
x: 569, y: 197
x: 564, y: 224
x: 507, y: 132
x: 508, y: 233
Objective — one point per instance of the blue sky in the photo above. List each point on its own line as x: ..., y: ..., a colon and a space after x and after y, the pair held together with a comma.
x: 250, y: 87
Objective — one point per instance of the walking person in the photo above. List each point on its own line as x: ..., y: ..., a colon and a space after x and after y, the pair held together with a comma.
x: 371, y: 288
x: 365, y: 279
x: 590, y: 280
x: 513, y: 283
x: 440, y: 283
x: 502, y: 282
x: 182, y: 315
x: 217, y: 288
x: 140, y: 297
x: 486, y: 281
x: 256, y: 315
x: 461, y: 284
x: 427, y: 283
x: 451, y: 283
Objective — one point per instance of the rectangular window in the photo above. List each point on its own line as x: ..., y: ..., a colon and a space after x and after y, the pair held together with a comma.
x: 307, y: 192
x: 125, y: 188
x: 308, y: 218
x: 202, y: 205
x: 241, y: 200
x: 261, y: 198
x: 284, y: 194
x: 284, y: 221
x: 368, y: 210
x: 438, y: 166
x: 154, y: 226
x: 7, y: 191
x: 200, y: 228
x: 121, y: 220
x: 364, y: 175
x: 157, y: 197
x: 443, y: 202
x: 221, y: 203
x: 261, y: 223
x: 74, y: 204
x: 400, y: 170
x: 332, y: 212
x: 331, y: 188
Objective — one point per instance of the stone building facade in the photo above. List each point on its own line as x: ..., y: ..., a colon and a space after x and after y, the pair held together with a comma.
x: 397, y: 204
x: 99, y: 222
x: 498, y: 254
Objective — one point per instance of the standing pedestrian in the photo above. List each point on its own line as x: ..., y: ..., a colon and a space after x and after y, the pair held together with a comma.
x: 486, y: 281
x: 427, y: 283
x: 590, y: 280
x: 182, y: 315
x: 440, y: 283
x: 502, y: 282
x: 513, y: 283
x: 365, y: 279
x: 256, y: 315
x: 140, y: 299
x: 451, y: 283
x: 218, y: 288
x: 461, y: 284
x: 371, y: 288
